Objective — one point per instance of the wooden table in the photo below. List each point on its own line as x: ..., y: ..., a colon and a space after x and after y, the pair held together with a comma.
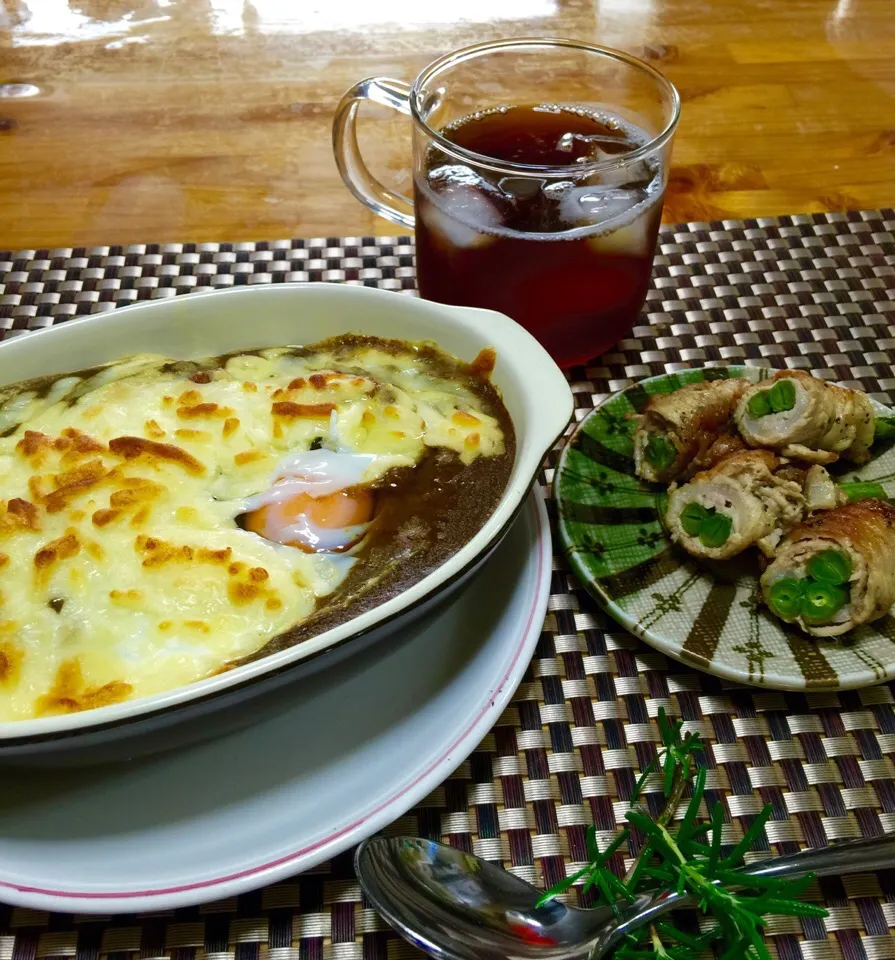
x: 140, y: 120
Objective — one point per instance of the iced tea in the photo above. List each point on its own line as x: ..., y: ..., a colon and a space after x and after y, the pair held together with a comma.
x: 567, y: 257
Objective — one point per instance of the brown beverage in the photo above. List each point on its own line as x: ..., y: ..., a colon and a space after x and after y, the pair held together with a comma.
x: 567, y: 258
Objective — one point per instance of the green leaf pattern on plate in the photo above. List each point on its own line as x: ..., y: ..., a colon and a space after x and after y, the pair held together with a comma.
x: 705, y: 614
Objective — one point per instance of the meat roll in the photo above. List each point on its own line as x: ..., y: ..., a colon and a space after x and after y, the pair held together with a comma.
x: 806, y: 418
x: 677, y: 431
x: 737, y: 503
x: 836, y: 570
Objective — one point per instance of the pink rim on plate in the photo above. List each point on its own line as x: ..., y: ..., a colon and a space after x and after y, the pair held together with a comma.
x: 398, y: 803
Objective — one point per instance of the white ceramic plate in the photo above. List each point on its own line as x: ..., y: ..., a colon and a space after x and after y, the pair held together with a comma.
x: 367, y: 740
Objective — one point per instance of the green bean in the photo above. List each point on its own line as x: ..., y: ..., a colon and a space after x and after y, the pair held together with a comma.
x: 692, y: 518
x: 782, y: 396
x: 785, y: 597
x: 866, y: 490
x: 821, y: 600
x: 715, y: 530
x: 759, y: 405
x: 660, y: 451
x: 830, y: 566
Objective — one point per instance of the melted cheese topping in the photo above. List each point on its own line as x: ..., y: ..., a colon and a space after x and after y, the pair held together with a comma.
x: 124, y: 572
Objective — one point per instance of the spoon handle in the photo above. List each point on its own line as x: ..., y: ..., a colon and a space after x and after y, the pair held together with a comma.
x: 851, y: 856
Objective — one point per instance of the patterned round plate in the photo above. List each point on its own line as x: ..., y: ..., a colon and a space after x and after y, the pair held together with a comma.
x: 700, y: 612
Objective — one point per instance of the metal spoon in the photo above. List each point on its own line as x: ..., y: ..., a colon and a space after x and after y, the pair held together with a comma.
x: 459, y: 907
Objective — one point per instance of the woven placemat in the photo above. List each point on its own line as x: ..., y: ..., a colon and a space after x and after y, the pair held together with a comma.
x: 813, y: 291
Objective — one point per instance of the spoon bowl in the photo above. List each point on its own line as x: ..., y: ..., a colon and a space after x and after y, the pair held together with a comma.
x: 459, y: 907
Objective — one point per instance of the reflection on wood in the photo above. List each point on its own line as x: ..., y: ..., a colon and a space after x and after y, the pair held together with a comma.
x: 210, y: 119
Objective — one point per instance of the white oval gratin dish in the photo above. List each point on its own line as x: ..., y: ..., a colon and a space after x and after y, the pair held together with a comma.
x: 534, y: 392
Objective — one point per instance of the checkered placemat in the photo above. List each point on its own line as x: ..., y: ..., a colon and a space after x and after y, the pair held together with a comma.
x: 814, y: 291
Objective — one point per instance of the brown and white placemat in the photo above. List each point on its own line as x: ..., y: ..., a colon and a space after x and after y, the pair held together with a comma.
x: 816, y: 291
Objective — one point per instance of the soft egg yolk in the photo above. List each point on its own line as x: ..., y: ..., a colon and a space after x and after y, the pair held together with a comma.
x: 343, y: 509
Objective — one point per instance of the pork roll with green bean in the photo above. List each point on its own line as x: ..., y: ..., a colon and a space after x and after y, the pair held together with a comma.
x: 836, y: 570
x: 686, y: 429
x: 738, y: 503
x: 807, y: 419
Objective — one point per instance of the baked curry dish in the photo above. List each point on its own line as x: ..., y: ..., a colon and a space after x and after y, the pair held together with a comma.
x: 163, y: 521
x: 807, y: 419
x: 689, y: 429
x: 835, y: 571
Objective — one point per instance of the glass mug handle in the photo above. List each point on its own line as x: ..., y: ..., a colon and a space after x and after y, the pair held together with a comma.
x: 355, y: 173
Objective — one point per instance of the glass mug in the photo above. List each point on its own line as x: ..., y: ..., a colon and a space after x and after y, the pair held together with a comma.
x: 539, y: 169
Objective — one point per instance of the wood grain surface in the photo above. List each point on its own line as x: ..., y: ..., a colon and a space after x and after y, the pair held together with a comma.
x: 138, y: 120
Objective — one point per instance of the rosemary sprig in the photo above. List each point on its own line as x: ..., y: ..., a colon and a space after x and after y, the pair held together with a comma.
x: 689, y: 858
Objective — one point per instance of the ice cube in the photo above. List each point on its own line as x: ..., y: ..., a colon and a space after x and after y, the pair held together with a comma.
x: 520, y: 188
x: 466, y: 209
x: 631, y: 240
x: 632, y: 175
x: 558, y: 189
x: 598, y: 204
x: 451, y: 175
x: 456, y: 179
x: 450, y: 232
x: 597, y: 146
